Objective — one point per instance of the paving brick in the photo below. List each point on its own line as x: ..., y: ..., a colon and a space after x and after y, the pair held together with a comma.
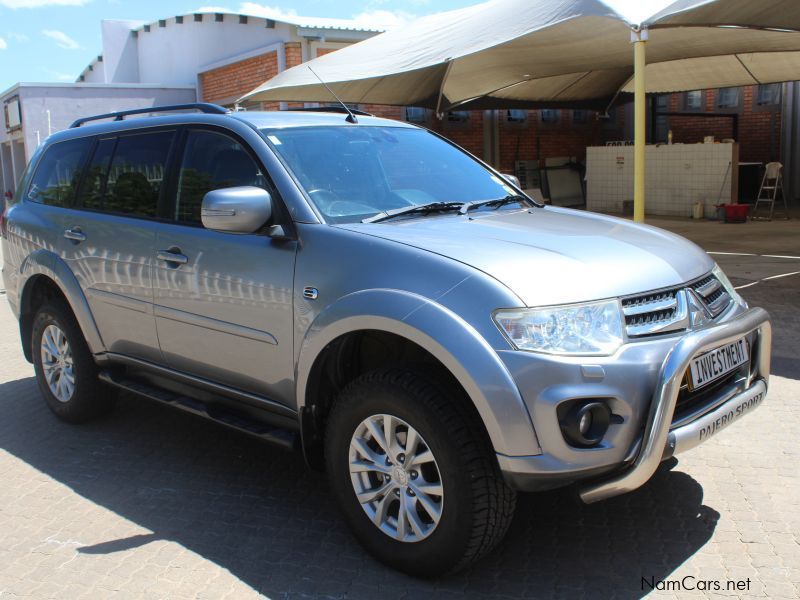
x: 153, y: 503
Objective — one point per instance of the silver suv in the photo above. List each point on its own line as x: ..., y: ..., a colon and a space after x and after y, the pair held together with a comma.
x: 367, y: 292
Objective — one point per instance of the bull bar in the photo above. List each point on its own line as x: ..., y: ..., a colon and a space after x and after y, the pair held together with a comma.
x: 654, y: 441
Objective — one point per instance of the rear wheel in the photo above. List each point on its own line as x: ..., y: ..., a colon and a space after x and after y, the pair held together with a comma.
x: 64, y: 366
x: 415, y: 474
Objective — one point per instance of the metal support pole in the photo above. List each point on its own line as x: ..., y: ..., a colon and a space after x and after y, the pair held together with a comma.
x: 639, y: 40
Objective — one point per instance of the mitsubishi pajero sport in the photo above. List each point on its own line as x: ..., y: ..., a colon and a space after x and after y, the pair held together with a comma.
x: 367, y: 292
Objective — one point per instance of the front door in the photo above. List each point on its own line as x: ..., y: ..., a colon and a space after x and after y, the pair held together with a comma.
x: 223, y: 302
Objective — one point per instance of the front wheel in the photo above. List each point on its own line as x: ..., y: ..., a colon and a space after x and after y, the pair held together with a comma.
x: 415, y: 474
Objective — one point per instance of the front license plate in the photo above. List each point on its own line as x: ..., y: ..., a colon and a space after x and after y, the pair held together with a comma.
x: 717, y: 363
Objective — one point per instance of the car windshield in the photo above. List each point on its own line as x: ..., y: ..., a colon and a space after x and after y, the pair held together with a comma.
x: 351, y: 173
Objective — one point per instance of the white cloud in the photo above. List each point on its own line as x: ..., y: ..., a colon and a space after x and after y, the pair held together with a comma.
x: 3, y: 44
x: 41, y: 3
x: 382, y: 19
x: 211, y: 9
x: 18, y: 37
x: 269, y: 12
x: 61, y: 38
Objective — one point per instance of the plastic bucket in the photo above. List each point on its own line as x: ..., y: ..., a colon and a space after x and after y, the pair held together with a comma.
x: 736, y: 213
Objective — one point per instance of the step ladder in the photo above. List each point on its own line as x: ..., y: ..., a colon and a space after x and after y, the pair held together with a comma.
x: 771, y: 184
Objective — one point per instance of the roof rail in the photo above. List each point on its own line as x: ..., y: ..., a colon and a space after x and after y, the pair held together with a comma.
x: 204, y: 107
x: 334, y: 109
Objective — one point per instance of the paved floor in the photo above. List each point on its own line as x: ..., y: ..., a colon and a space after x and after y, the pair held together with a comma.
x: 156, y: 504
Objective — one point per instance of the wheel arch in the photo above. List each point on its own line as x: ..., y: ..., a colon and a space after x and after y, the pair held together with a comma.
x: 442, y: 335
x: 43, y: 274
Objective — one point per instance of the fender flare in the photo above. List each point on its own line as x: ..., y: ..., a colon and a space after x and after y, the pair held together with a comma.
x: 47, y: 263
x: 450, y: 339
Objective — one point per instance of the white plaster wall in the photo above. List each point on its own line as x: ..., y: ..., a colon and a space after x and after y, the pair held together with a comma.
x: 120, y: 52
x: 173, y: 55
x: 69, y: 102
x: 676, y: 177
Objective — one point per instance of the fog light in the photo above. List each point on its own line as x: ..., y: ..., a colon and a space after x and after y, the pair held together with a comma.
x: 585, y: 422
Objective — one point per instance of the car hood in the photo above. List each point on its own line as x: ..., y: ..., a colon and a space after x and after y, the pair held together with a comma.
x: 553, y: 255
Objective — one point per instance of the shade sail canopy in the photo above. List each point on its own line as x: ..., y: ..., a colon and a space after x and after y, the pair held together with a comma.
x: 523, y: 53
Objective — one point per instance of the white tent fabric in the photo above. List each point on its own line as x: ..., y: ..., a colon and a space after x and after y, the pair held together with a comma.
x: 523, y: 53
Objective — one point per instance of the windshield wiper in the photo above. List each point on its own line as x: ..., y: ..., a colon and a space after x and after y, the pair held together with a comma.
x: 417, y: 208
x: 497, y: 202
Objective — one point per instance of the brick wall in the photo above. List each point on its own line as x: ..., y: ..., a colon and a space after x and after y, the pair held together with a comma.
x: 225, y: 84
x: 534, y: 140
x: 759, y: 127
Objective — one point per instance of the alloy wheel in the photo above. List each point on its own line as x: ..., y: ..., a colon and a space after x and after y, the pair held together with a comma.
x: 395, y: 478
x: 57, y: 363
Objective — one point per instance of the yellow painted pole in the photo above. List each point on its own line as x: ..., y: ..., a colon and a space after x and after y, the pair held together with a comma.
x: 639, y: 40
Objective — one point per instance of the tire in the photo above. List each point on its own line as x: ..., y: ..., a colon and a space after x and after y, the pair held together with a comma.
x: 76, y: 394
x: 474, y: 504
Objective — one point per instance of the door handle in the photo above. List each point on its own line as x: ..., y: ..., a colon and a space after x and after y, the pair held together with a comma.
x: 173, y: 255
x: 75, y: 234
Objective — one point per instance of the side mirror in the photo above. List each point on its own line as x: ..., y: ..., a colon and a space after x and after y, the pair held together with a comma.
x: 236, y: 209
x: 512, y: 179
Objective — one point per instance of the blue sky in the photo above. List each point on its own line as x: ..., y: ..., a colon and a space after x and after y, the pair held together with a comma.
x: 53, y: 40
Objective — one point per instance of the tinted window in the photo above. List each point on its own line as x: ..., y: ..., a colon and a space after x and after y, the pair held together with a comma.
x: 57, y: 175
x: 212, y: 161
x: 136, y: 174
x: 94, y: 180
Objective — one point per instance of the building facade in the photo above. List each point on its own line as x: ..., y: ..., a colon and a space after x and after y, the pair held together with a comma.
x: 218, y: 57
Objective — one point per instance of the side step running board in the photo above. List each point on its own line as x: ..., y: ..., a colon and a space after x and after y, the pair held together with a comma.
x: 220, y: 414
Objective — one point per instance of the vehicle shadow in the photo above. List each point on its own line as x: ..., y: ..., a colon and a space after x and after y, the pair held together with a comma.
x: 258, y: 512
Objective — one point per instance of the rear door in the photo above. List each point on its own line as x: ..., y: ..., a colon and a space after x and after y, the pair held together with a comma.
x: 223, y: 302
x: 112, y: 237
x: 52, y: 188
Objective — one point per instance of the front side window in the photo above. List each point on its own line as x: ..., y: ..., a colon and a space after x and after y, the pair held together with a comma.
x: 355, y: 172
x: 56, y: 178
x: 212, y: 161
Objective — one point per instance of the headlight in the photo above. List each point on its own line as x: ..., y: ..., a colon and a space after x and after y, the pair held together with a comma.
x: 726, y: 283
x: 594, y: 328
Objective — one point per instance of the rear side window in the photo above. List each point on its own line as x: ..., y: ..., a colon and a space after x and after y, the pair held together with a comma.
x: 56, y: 178
x: 136, y: 174
x: 212, y: 161
x: 94, y: 181
x: 125, y: 174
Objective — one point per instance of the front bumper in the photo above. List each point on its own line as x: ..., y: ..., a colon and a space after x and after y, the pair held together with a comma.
x: 658, y: 440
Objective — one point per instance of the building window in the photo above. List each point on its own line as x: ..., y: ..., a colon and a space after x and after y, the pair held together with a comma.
x: 13, y: 113
x: 580, y: 117
x: 728, y: 98
x: 662, y: 121
x: 693, y: 100
x: 516, y: 115
x: 768, y: 94
x: 549, y: 115
x: 458, y: 116
x: 415, y: 114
